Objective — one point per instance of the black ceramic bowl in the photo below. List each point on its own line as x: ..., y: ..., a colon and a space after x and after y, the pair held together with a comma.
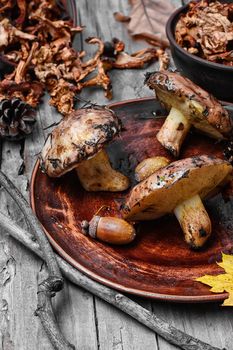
x: 216, y: 78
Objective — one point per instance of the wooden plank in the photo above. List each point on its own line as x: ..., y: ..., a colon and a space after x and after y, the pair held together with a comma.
x: 75, y: 311
x: 209, y: 322
x: 18, y: 294
x: 177, y: 3
x: 117, y: 331
x: 7, y: 273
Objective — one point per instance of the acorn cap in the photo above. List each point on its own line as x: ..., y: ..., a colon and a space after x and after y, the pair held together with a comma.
x: 78, y: 137
x: 168, y: 187
x: 201, y: 109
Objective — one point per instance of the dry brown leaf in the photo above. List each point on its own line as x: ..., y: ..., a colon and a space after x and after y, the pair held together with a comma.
x: 148, y: 20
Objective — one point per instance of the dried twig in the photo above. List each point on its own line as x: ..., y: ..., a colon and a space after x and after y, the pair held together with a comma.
x: 54, y: 283
x: 145, y: 317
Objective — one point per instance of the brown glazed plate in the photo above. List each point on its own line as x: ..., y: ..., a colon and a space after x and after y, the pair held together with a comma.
x: 158, y: 264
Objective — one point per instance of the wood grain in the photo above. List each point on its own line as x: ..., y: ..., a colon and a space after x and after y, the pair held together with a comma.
x: 89, y: 323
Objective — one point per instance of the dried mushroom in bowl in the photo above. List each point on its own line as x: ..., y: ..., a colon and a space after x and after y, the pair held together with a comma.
x: 206, y: 30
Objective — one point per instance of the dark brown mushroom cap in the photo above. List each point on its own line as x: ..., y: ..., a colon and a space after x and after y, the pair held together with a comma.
x: 78, y: 137
x: 161, y: 192
x: 201, y: 108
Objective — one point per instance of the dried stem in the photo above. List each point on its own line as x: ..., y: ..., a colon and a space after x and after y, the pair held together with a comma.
x: 88, y: 103
x: 145, y: 317
x: 54, y: 283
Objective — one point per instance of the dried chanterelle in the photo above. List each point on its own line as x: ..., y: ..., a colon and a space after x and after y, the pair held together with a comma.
x: 178, y: 188
x: 37, y: 53
x: 205, y: 30
x: 78, y: 143
x: 189, y: 105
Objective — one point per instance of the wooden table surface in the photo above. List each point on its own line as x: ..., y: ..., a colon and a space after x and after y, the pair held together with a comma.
x: 87, y: 322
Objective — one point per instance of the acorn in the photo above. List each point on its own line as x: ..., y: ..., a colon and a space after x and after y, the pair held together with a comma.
x: 109, y: 229
x: 16, y: 119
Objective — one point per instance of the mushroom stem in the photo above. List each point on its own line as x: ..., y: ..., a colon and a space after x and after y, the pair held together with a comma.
x: 173, y: 132
x: 97, y: 174
x: 194, y: 221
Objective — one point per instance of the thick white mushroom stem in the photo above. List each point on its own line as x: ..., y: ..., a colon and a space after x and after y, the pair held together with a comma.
x: 194, y: 221
x: 173, y: 132
x: 97, y: 174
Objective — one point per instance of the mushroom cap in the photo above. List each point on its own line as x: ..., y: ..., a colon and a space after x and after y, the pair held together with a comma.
x: 161, y: 192
x: 202, y: 110
x: 78, y: 137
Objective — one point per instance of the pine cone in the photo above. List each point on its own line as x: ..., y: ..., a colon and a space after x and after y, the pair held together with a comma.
x: 16, y: 119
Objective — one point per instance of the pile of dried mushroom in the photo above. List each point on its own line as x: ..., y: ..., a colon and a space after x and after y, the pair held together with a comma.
x: 36, y: 47
x: 206, y: 30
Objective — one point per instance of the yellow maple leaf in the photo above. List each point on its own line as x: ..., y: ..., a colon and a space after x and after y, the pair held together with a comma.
x: 222, y: 282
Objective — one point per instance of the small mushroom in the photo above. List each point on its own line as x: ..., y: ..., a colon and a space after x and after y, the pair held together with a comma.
x: 178, y: 188
x: 189, y: 105
x: 78, y: 143
x: 149, y: 166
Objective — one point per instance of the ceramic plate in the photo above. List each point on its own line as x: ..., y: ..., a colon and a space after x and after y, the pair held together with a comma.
x: 158, y: 264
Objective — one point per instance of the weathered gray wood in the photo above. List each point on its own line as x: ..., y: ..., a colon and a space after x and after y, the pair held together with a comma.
x: 89, y: 324
x: 205, y: 321
x: 20, y: 288
x: 117, y: 331
x: 177, y: 3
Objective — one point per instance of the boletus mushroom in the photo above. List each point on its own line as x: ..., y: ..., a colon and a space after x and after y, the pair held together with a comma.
x: 189, y: 105
x: 78, y: 143
x: 178, y: 188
